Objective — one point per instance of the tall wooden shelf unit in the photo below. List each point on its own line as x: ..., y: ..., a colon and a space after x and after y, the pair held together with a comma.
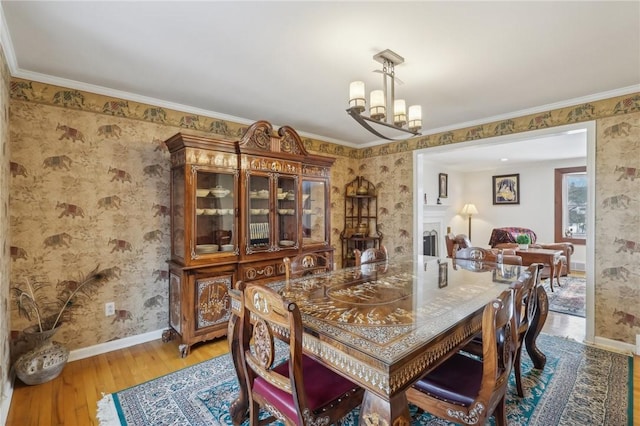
x: 237, y: 209
x: 360, y: 219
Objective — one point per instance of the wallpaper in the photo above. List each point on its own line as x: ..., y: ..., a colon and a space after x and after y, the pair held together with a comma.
x: 617, y: 272
x: 5, y: 317
x: 90, y: 180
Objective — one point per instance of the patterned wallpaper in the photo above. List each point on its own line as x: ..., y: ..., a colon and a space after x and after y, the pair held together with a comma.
x: 5, y: 265
x: 90, y: 185
x: 617, y: 269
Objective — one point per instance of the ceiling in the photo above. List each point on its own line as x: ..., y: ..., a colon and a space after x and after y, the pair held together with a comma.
x: 291, y: 63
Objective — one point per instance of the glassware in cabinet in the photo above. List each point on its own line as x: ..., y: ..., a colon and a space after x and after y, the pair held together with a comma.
x: 287, y: 210
x: 215, y: 213
x: 314, y: 215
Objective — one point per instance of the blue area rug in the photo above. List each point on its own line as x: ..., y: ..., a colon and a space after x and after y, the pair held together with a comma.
x: 579, y: 385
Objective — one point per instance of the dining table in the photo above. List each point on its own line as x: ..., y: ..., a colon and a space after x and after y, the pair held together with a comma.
x: 384, y: 325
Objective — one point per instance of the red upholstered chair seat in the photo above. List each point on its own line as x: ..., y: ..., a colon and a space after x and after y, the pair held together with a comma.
x: 322, y: 387
x: 456, y: 380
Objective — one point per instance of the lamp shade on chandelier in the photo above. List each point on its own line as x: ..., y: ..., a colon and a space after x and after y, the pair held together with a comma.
x: 384, y: 109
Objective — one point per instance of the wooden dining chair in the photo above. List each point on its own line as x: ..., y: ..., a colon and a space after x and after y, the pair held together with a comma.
x: 525, y: 305
x: 306, y: 264
x: 371, y: 255
x: 299, y: 391
x: 467, y: 390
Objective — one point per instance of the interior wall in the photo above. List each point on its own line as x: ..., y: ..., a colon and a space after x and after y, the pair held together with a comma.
x: 536, y: 208
x: 5, y: 314
x: 91, y: 186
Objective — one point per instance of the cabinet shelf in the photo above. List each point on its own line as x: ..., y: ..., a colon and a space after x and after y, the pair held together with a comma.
x: 360, y: 210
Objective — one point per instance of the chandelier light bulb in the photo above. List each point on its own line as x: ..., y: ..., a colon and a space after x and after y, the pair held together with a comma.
x: 399, y: 112
x: 415, y: 118
x: 377, y: 108
x: 357, y: 99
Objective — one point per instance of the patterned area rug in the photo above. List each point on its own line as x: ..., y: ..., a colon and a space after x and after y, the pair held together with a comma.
x: 579, y: 385
x: 569, y: 297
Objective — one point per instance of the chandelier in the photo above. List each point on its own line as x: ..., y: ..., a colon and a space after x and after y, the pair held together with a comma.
x: 384, y: 109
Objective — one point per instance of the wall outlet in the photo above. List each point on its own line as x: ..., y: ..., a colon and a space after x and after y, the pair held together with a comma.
x: 109, y: 309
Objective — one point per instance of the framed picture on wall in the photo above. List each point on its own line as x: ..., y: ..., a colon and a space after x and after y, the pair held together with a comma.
x: 506, y: 189
x: 443, y: 185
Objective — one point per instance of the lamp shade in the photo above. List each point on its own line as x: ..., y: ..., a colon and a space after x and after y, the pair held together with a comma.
x: 399, y: 112
x: 356, y: 95
x: 415, y: 117
x: 377, y: 107
x: 469, y: 209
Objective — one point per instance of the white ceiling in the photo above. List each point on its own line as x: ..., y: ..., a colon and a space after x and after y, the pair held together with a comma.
x: 291, y: 62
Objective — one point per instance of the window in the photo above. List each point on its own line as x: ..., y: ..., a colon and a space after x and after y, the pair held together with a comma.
x: 571, y: 205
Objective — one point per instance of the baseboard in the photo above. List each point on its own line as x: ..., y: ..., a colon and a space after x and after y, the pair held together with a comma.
x: 578, y: 266
x: 5, y: 404
x: 114, y: 345
x: 613, y: 345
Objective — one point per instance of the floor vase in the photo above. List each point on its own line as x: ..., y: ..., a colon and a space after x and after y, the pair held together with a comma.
x: 45, y: 361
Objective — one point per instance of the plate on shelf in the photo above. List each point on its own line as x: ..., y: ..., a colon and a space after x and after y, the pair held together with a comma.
x: 227, y: 247
x: 207, y: 248
x: 202, y: 192
x: 286, y: 243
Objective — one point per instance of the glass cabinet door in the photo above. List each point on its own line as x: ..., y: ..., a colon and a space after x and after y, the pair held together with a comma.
x: 259, y: 194
x: 314, y: 215
x: 287, y: 209
x: 215, y: 214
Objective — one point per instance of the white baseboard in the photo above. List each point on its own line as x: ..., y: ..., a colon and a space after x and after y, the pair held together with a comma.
x: 613, y: 345
x: 5, y: 404
x: 578, y: 266
x: 113, y: 345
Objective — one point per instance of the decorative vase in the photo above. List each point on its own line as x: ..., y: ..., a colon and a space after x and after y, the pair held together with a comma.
x: 45, y: 361
x: 523, y: 246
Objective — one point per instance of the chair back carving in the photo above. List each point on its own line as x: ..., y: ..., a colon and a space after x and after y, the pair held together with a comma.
x: 306, y: 264
x: 442, y: 394
x: 278, y: 387
x: 371, y: 255
x: 526, y: 303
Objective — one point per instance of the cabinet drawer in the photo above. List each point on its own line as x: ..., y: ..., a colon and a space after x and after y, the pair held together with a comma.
x: 261, y: 270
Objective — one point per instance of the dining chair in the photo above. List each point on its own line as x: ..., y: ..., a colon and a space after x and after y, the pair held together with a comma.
x: 525, y: 304
x: 371, y: 255
x: 465, y: 389
x: 490, y: 255
x: 298, y: 391
x: 305, y: 264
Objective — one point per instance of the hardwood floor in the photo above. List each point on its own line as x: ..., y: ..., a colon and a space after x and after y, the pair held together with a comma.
x: 71, y: 399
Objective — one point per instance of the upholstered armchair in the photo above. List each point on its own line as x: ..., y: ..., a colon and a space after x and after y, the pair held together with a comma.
x: 506, y: 238
x: 458, y: 242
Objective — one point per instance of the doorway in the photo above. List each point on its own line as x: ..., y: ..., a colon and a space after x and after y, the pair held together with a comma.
x: 429, y: 162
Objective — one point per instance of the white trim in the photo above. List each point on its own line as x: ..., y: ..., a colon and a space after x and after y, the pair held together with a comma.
x: 5, y: 404
x: 590, y: 126
x: 524, y: 112
x: 613, y: 346
x: 7, y: 44
x: 113, y: 345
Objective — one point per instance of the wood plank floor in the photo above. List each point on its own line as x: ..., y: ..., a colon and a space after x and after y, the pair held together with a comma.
x: 71, y: 399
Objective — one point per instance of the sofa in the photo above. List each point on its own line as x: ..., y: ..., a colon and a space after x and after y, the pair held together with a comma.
x: 506, y: 238
x: 460, y: 241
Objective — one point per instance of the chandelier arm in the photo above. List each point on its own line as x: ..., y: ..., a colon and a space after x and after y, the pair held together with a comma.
x: 362, y: 119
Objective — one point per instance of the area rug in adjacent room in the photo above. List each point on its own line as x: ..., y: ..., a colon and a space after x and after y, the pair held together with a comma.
x: 569, y: 297
x: 579, y: 385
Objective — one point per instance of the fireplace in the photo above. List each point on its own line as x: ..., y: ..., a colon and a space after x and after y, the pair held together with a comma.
x: 430, y: 243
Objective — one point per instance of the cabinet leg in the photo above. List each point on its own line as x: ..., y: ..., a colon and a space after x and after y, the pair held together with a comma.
x: 168, y: 335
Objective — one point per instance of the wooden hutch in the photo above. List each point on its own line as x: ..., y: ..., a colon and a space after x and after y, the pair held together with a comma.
x: 360, y: 219
x: 237, y: 209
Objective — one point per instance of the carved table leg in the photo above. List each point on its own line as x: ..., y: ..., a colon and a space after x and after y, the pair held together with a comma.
x: 539, y: 359
x: 239, y: 409
x: 376, y: 411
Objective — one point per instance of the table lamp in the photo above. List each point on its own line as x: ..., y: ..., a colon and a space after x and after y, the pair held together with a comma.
x: 469, y: 209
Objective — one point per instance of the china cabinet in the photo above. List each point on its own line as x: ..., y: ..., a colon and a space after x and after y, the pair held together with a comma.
x: 360, y: 219
x: 237, y: 209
